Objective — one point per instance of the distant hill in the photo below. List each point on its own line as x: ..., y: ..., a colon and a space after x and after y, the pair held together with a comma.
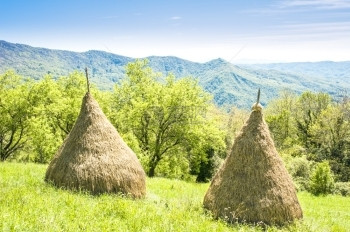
x: 230, y: 84
x: 324, y: 70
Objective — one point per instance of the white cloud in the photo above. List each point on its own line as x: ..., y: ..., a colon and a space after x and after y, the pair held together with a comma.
x: 315, y: 31
x: 290, y: 6
x: 318, y: 4
x: 176, y: 18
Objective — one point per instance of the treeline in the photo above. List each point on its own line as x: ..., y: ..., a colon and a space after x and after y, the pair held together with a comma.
x: 171, y: 124
x: 312, y: 133
x: 313, y: 126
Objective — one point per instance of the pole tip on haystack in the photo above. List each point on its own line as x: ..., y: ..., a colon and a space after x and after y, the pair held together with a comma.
x: 87, y: 80
x: 257, y: 106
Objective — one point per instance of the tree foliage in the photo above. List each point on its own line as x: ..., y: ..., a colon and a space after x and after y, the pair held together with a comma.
x: 166, y: 116
x: 14, y: 112
x: 313, y: 125
x: 280, y: 118
x: 322, y: 181
x: 171, y: 124
x: 37, y: 116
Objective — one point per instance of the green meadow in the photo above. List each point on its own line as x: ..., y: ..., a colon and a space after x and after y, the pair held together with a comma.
x: 27, y: 203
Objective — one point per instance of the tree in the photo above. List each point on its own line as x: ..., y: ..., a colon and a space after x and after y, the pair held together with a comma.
x: 163, y: 114
x: 233, y: 123
x: 35, y: 116
x: 65, y: 111
x: 313, y: 125
x: 330, y: 134
x: 44, y: 136
x: 322, y: 181
x: 207, y: 147
x: 206, y: 167
x: 309, y: 106
x: 55, y: 107
x: 280, y: 118
x: 14, y: 112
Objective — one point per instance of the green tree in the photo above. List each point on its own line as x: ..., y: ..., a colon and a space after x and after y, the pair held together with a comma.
x: 207, y: 146
x: 330, y: 134
x: 233, y: 122
x: 65, y: 111
x: 164, y: 115
x: 44, y: 136
x: 14, y: 112
x: 309, y: 107
x: 55, y: 107
x: 322, y: 181
x: 312, y: 125
x: 44, y: 142
x: 279, y: 116
x: 35, y: 116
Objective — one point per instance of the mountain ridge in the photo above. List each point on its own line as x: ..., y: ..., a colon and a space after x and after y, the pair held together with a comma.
x: 230, y: 84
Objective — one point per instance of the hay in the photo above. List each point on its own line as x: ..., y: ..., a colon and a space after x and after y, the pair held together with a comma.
x: 95, y: 158
x: 253, y: 185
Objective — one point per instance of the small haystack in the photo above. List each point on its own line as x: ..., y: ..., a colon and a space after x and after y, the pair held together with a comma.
x: 253, y: 185
x: 95, y: 158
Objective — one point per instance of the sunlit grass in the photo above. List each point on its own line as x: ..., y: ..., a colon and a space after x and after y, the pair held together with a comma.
x: 27, y: 203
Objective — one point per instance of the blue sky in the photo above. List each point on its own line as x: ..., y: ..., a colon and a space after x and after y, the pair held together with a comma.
x: 198, y: 30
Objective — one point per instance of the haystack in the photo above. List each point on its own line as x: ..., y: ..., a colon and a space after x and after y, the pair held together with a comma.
x: 253, y: 185
x: 95, y: 158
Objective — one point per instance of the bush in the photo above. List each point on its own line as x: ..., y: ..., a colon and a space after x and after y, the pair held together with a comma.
x: 341, y: 170
x: 301, y: 184
x: 300, y: 169
x: 206, y: 168
x: 342, y: 188
x: 174, y: 166
x: 322, y: 182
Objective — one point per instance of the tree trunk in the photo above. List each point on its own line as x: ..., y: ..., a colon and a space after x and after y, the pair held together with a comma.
x: 151, y: 170
x: 152, y: 165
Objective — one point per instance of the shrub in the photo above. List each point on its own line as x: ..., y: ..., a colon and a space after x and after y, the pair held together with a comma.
x: 322, y: 182
x: 300, y: 169
x: 341, y: 170
x: 301, y: 184
x: 342, y: 188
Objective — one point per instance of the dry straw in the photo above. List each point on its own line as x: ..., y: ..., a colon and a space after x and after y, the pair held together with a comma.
x: 95, y: 158
x: 253, y: 185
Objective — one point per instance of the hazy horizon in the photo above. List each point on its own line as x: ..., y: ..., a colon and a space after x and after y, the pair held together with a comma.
x: 238, y: 62
x: 240, y: 32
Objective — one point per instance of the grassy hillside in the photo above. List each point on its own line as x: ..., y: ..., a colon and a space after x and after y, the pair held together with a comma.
x: 230, y: 84
x: 27, y: 203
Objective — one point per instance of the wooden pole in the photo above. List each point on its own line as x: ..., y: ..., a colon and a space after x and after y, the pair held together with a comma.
x: 258, y: 99
x: 87, y: 80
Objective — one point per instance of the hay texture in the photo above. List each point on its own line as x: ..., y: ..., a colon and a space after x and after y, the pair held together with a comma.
x: 95, y: 158
x: 253, y: 185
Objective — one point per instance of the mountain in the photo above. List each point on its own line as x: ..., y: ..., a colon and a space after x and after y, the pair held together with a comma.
x: 33, y: 62
x: 324, y: 69
x: 230, y: 84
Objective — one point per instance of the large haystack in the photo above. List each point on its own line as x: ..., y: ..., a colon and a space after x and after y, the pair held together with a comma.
x: 95, y: 158
x: 253, y: 185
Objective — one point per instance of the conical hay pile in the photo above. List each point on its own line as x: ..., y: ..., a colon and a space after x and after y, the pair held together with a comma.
x: 95, y: 158
x: 253, y: 185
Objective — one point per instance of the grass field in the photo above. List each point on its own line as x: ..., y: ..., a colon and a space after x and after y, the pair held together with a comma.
x: 27, y: 203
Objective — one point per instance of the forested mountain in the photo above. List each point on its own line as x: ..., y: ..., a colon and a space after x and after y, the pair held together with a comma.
x: 325, y: 69
x: 230, y: 84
